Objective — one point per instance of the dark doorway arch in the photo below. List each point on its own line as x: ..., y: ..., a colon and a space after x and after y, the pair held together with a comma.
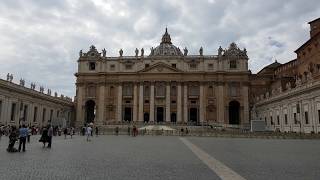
x: 173, y: 117
x: 128, y: 114
x: 90, y: 111
x: 146, y: 117
x: 234, y: 112
x: 160, y: 114
x: 193, y: 115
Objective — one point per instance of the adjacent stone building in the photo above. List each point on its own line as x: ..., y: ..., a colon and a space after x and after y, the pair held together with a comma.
x: 287, y: 96
x: 22, y: 105
x: 166, y: 86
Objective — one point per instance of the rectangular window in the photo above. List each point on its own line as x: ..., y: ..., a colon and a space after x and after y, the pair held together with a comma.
x: 210, y: 66
x: 128, y: 66
x: 193, y: 66
x: 92, y: 66
x: 306, y: 117
x: 51, y: 114
x: 35, y: 113
x: 173, y: 65
x: 295, y: 118
x: 286, y: 119
x: 278, y: 120
x: 146, y: 65
x: 112, y: 67
x: 13, y: 111
x: 173, y: 91
x: 25, y: 110
x: 194, y: 91
x: 298, y: 108
x: 271, y: 120
x: 160, y: 90
x: 127, y: 90
x: 43, y: 114
x: 233, y: 64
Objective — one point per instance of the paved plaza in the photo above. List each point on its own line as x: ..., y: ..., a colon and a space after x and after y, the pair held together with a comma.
x: 163, y: 157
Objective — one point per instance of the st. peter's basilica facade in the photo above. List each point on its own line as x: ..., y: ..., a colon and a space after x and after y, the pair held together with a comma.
x: 166, y: 86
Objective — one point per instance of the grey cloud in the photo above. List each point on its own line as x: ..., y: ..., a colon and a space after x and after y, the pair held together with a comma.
x: 40, y: 40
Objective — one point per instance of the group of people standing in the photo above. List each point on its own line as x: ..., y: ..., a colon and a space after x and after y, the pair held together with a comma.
x: 22, y: 134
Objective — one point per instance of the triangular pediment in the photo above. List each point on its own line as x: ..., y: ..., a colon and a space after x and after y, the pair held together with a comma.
x: 160, y: 67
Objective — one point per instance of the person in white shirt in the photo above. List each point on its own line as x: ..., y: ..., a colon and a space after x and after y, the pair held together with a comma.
x: 88, y: 132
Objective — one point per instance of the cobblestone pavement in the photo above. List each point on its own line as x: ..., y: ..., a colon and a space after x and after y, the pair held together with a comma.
x: 159, y: 157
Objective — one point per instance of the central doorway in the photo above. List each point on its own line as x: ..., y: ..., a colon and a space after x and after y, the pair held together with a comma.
x: 193, y: 115
x: 234, y: 114
x: 127, y: 114
x: 160, y: 113
x: 90, y: 110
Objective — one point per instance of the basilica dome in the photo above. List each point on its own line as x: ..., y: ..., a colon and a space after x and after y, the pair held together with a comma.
x: 166, y: 48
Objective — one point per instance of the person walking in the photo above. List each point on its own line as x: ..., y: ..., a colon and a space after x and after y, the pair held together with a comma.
x: 65, y: 132
x: 29, y: 134
x: 71, y: 131
x: 97, y: 131
x: 117, y: 130
x: 44, y: 136
x: 88, y: 132
x: 23, y: 133
x: 50, y: 134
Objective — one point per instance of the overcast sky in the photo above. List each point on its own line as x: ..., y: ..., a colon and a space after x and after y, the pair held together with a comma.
x: 40, y: 39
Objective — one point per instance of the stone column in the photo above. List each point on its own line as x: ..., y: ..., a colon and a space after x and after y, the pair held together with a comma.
x: 185, y: 103
x: 79, y: 109
x: 245, y: 92
x: 202, y: 102
x: 140, y: 103
x: 101, y: 100
x: 179, y: 104
x: 168, y: 103
x: 152, y: 102
x: 220, y: 103
x: 119, y: 103
x: 135, y: 102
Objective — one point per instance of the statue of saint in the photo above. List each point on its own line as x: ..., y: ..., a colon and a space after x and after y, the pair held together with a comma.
x: 121, y: 52
x: 137, y: 52
x: 8, y: 77
x: 104, y: 52
x: 11, y: 77
x: 201, y: 51
x: 220, y: 50
x: 22, y: 82
x: 152, y: 51
x: 80, y: 53
x: 142, y: 52
x: 185, y: 51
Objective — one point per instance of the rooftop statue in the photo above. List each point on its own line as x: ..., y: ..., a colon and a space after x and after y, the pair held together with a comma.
x: 201, y: 51
x: 185, y: 51
x: 137, y: 52
x: 142, y: 52
x: 120, y: 52
x: 220, y: 51
x: 80, y: 53
x: 104, y: 52
x: 22, y: 82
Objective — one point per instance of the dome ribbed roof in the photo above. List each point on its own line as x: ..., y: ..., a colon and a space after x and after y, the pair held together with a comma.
x: 166, y: 48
